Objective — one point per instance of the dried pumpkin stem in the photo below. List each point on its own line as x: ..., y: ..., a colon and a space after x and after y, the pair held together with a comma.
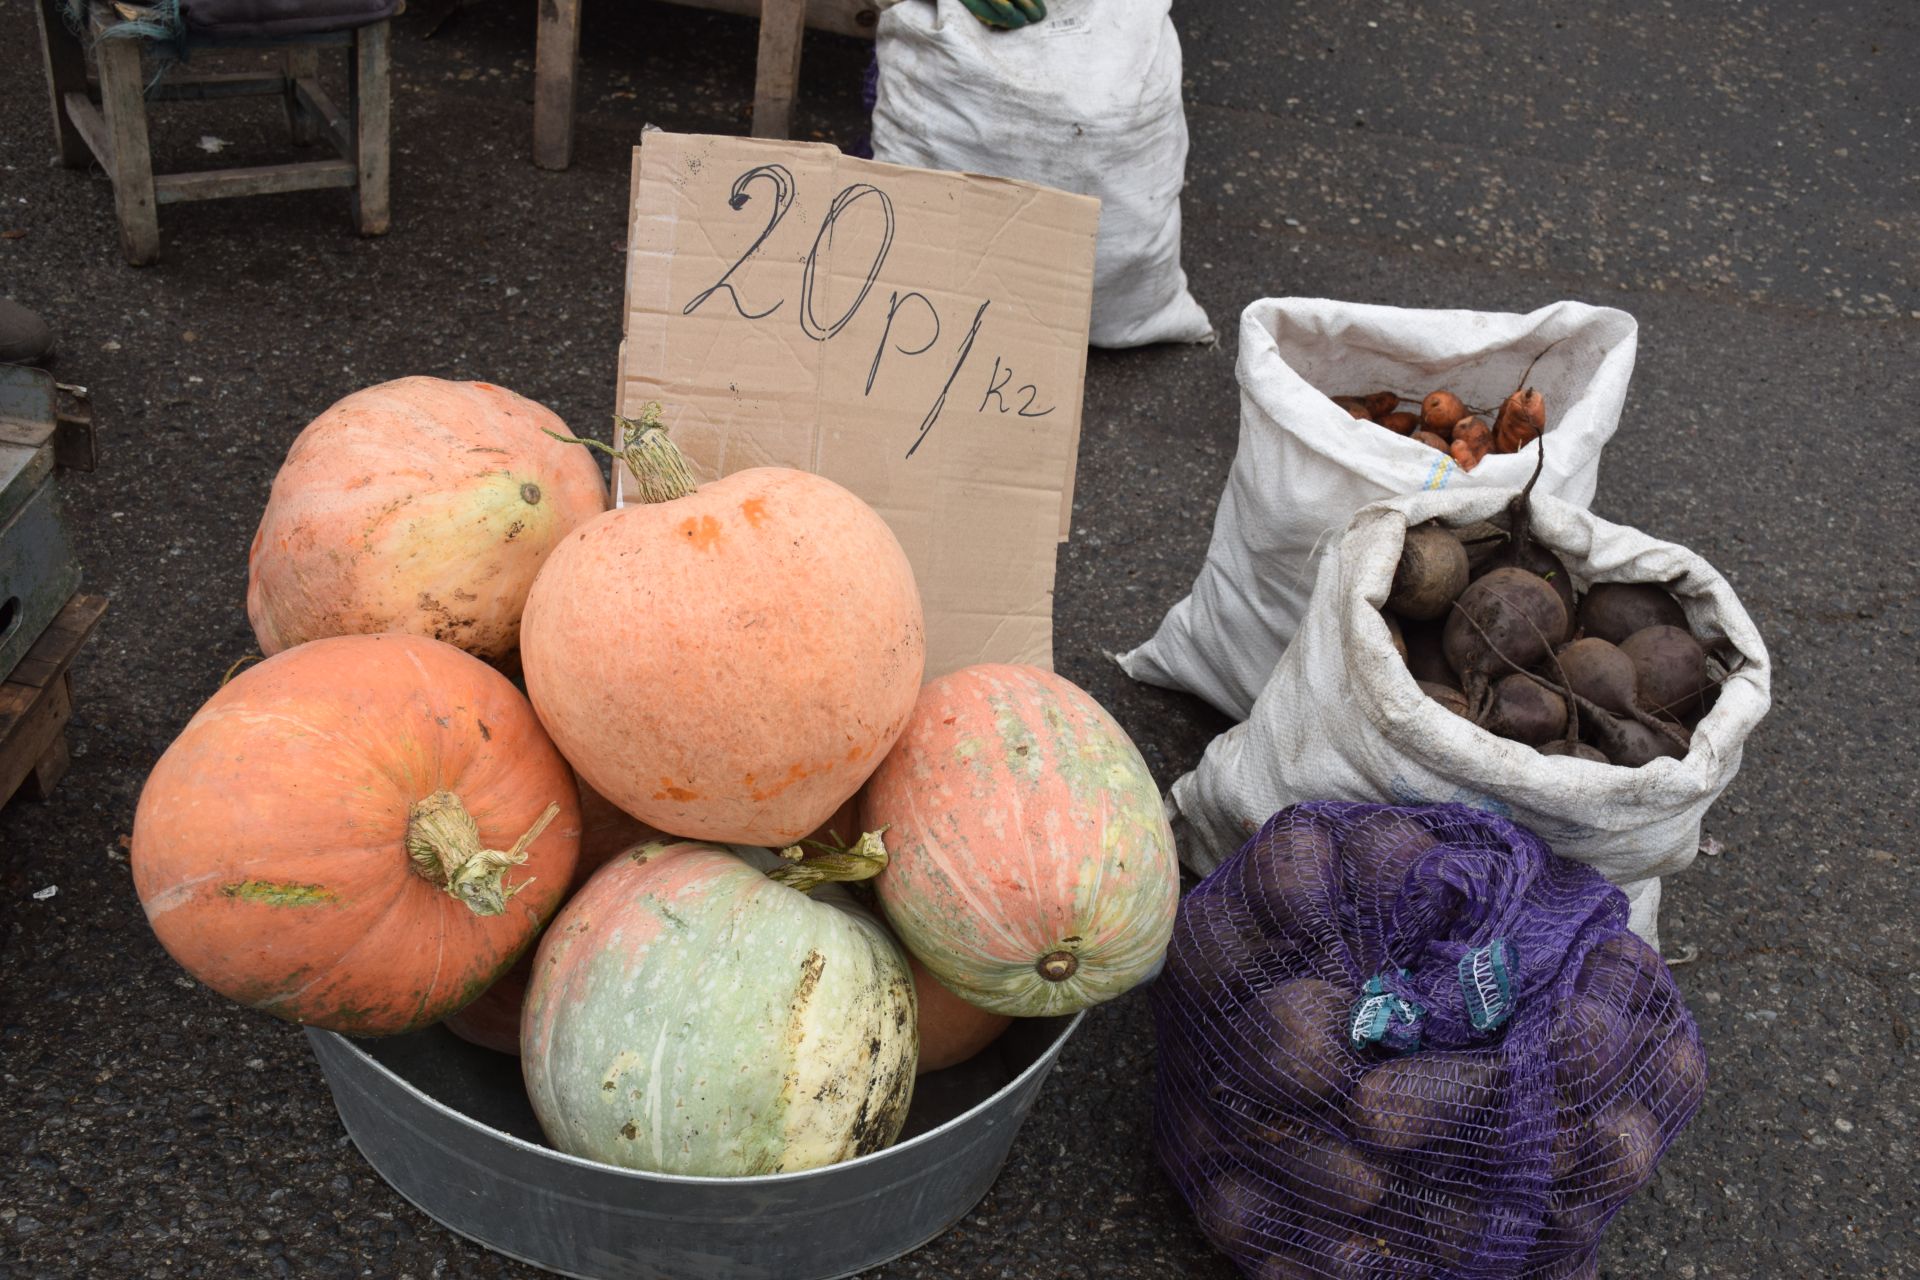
x: 656, y: 462
x: 813, y: 863
x: 444, y: 842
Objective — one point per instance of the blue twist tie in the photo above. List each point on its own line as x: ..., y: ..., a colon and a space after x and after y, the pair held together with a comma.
x: 1484, y: 982
x: 1383, y: 1018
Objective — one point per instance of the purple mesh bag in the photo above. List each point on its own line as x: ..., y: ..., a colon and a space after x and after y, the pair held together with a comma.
x: 1413, y: 1044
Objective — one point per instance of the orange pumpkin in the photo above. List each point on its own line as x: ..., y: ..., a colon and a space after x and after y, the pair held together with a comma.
x: 729, y: 662
x: 492, y: 1021
x: 422, y: 506
x: 360, y: 834
x: 951, y: 1029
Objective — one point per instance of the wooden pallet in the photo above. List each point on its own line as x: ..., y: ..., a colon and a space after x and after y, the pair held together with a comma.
x: 36, y: 701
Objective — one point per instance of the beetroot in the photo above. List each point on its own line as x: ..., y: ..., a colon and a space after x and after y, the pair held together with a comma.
x: 1628, y: 743
x: 1615, y: 610
x: 1669, y: 669
x: 1590, y: 1047
x: 1599, y: 672
x: 1507, y: 619
x: 1525, y: 711
x: 1520, y: 421
x: 1380, y: 404
x: 1230, y: 1208
x: 1537, y: 560
x: 1431, y: 574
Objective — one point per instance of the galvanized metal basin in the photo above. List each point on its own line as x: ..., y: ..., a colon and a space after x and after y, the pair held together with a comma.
x: 449, y: 1126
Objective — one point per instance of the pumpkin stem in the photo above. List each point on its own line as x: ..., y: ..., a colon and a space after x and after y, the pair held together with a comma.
x: 831, y: 863
x: 655, y: 461
x: 444, y: 842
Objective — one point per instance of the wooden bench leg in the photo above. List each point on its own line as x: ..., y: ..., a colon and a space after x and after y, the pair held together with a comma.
x: 556, y: 59
x: 66, y: 73
x: 123, y: 103
x: 302, y: 63
x: 371, y: 92
x: 776, y: 72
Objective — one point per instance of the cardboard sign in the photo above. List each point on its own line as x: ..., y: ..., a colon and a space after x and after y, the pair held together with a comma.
x: 917, y: 337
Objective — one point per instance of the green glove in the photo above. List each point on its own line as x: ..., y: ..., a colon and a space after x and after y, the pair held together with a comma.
x: 1006, y: 13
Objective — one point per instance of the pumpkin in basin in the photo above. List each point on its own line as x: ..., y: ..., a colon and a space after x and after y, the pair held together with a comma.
x: 361, y: 833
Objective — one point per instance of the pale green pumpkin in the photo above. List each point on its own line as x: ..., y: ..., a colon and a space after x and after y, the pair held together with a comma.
x: 690, y: 1015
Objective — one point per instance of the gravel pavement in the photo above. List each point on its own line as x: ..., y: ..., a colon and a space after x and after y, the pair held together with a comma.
x: 1744, y: 179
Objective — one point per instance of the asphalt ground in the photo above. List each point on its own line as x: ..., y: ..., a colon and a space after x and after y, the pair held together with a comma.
x: 1744, y: 179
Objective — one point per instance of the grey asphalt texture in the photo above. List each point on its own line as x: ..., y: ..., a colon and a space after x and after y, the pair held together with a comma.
x: 1744, y: 179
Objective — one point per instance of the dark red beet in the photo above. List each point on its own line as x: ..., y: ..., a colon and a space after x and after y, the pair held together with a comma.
x: 1599, y: 672
x: 1627, y: 743
x: 1506, y: 619
x: 1431, y: 574
x: 1615, y: 610
x: 1669, y: 669
x: 1525, y: 711
x: 1538, y: 561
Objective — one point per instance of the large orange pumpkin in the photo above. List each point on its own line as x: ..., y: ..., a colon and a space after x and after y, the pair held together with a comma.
x: 360, y: 834
x: 422, y: 506
x: 729, y: 662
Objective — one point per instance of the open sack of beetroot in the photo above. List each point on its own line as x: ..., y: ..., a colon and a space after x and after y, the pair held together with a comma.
x: 1413, y: 1044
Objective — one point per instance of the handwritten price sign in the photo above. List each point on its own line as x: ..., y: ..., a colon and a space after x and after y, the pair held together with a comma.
x: 918, y: 337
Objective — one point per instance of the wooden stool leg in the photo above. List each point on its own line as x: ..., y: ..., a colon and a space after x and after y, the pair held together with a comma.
x: 122, y: 101
x: 66, y: 73
x: 372, y: 127
x: 302, y: 63
x: 556, y: 58
x: 777, y: 70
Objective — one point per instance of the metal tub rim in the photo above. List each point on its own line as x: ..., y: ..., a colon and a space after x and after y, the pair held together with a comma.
x: 1042, y: 1063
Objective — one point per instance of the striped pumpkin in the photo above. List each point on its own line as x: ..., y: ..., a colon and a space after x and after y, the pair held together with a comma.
x: 1031, y: 867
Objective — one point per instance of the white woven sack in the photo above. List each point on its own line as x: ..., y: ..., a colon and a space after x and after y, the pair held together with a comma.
x: 1304, y: 466
x: 1087, y: 101
x: 1342, y: 719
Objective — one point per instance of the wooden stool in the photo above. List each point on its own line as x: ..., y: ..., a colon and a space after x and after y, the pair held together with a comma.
x: 114, y: 131
x: 776, y: 70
